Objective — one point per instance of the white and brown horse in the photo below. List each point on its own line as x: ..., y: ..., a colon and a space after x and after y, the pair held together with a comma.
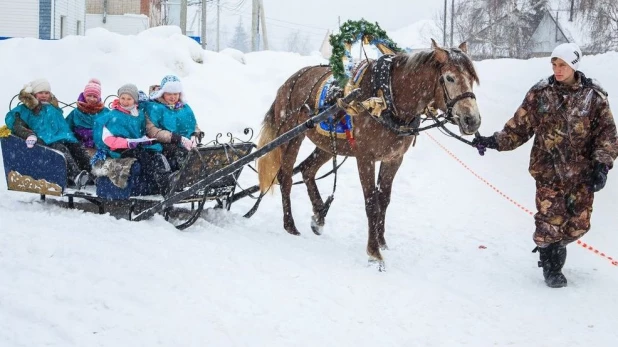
x: 443, y: 78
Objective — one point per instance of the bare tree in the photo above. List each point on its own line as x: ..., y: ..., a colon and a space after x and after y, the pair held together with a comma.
x: 297, y: 43
x: 601, y: 19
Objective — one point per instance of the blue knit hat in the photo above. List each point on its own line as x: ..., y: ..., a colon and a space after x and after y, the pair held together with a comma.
x: 169, y: 84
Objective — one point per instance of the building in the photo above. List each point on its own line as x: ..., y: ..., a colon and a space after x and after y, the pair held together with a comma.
x: 43, y: 19
x: 123, y: 16
x: 556, y: 28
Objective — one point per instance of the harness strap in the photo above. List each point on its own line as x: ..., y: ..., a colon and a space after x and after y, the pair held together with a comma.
x: 382, y: 71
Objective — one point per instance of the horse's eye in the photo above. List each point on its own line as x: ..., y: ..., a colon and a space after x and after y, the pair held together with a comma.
x: 450, y: 79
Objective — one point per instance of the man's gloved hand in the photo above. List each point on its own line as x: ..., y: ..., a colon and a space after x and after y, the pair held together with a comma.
x: 599, y: 176
x: 483, y: 142
x: 31, y: 141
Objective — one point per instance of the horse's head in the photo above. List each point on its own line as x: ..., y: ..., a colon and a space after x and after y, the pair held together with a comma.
x: 454, y: 93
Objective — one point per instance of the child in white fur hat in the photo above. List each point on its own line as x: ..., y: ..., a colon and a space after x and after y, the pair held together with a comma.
x: 171, y: 121
x: 38, y: 120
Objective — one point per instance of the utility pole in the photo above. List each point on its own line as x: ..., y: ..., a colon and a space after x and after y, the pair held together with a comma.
x: 452, y: 19
x: 254, y: 25
x: 203, y: 31
x: 218, y: 24
x: 263, y: 20
x: 257, y: 19
x: 183, y: 16
x: 444, y: 26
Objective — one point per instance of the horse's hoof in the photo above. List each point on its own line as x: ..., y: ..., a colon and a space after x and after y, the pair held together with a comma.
x: 315, y: 227
x: 293, y: 232
x: 379, y: 263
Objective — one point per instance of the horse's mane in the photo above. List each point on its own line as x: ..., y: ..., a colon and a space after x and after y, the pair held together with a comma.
x: 425, y: 59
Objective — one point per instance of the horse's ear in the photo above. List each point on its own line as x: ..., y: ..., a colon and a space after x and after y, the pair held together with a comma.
x: 434, y: 45
x: 464, y: 47
x: 438, y: 52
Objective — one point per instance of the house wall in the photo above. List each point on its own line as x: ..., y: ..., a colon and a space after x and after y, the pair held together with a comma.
x: 121, y: 24
x: 69, y: 18
x: 114, y: 7
x: 150, y: 8
x: 19, y: 18
x: 546, y: 37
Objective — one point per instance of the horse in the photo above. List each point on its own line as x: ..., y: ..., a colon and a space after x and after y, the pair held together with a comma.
x: 440, y: 77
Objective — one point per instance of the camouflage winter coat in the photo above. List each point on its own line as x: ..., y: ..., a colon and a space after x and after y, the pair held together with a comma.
x: 574, y: 129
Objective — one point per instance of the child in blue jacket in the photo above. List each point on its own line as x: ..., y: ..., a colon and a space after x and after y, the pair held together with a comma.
x: 171, y: 121
x: 38, y: 120
x: 122, y: 133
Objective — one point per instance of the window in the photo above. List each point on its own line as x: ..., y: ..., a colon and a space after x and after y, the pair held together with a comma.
x: 63, y: 28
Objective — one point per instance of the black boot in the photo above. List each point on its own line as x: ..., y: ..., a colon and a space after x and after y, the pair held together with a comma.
x: 552, y: 260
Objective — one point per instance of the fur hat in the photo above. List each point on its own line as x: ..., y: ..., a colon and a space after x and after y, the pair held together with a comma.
x: 570, y: 53
x: 130, y: 89
x: 37, y: 86
x: 93, y: 87
x: 31, y: 102
x: 169, y: 84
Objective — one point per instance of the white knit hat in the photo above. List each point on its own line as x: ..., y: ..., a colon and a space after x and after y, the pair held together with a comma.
x: 37, y: 86
x: 570, y: 53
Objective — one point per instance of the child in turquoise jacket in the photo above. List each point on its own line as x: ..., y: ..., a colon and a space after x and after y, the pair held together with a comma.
x: 121, y: 133
x: 38, y: 120
x: 171, y: 121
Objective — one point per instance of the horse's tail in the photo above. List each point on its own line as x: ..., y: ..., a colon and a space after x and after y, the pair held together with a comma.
x: 268, y: 165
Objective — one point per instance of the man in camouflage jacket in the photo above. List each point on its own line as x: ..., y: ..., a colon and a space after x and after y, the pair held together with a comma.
x: 574, y: 148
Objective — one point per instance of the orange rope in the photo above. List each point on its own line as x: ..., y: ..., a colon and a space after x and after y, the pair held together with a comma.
x: 612, y: 260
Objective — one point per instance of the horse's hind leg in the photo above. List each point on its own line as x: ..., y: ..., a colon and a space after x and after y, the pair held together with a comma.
x: 309, y: 168
x: 388, y: 170
x: 290, y: 152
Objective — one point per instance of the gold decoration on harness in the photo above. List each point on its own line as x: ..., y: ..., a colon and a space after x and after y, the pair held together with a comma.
x: 374, y: 106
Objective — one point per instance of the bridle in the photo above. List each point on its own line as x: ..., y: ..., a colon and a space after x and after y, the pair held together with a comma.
x: 450, y: 102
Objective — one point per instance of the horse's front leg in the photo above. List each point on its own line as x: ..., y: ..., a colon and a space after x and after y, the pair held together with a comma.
x: 366, y: 171
x: 309, y: 168
x: 289, y: 154
x: 388, y: 170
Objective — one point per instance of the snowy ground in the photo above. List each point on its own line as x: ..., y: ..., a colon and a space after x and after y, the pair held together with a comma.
x: 70, y: 278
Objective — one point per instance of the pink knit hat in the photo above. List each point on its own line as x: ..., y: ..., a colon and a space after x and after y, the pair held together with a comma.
x: 93, y: 87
